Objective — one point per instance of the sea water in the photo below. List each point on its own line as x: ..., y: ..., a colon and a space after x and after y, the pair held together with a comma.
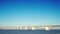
x: 29, y: 32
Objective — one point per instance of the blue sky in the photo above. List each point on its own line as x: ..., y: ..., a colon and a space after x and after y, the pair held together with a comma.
x: 29, y: 12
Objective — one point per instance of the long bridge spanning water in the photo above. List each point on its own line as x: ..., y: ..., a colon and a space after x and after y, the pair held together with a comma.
x: 48, y: 27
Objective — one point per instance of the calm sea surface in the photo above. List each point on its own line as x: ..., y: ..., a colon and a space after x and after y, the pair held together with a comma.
x: 29, y: 32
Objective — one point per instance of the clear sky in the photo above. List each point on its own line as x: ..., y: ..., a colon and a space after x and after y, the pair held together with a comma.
x: 29, y: 12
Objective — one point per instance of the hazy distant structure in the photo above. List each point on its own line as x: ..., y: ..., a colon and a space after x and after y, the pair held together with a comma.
x: 48, y: 27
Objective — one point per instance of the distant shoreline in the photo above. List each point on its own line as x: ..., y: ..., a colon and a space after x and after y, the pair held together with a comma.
x: 48, y: 27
